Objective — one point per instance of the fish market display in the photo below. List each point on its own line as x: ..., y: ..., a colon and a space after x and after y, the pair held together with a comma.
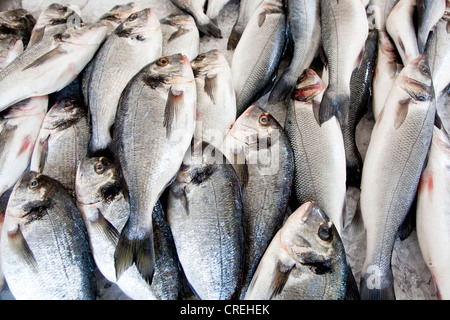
x: 394, y: 161
x: 153, y: 129
x: 180, y: 35
x: 44, y: 247
x: 204, y: 211
x: 62, y: 142
x: 344, y: 31
x: 105, y: 211
x: 304, y: 261
x: 192, y: 138
x: 132, y: 45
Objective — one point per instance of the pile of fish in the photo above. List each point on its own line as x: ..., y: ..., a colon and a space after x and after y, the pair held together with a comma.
x: 127, y: 150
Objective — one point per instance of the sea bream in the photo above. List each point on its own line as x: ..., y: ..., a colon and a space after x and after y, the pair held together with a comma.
x: 216, y: 99
x: 246, y: 10
x: 62, y: 142
x: 304, y: 261
x: 204, y: 211
x: 429, y: 13
x: 257, y: 55
x: 344, y: 32
x: 196, y: 9
x: 50, y: 65
x: 134, y: 43
x: 259, y: 150
x: 105, y: 209
x: 393, y: 164
x: 319, y: 153
x: 45, y: 248
x: 180, y: 35
x: 433, y: 212
x: 154, y: 127
x: 17, y: 22
x: 303, y: 17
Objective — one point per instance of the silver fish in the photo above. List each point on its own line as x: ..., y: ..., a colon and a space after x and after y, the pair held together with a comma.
x: 429, y: 13
x: 204, y: 211
x: 19, y: 129
x: 105, y: 210
x: 433, y: 212
x: 258, y: 53
x: 62, y: 142
x: 54, y: 19
x: 400, y: 26
x: 393, y: 164
x: 10, y: 48
x: 319, y: 152
x: 133, y: 44
x: 153, y: 129
x: 180, y: 35
x: 266, y: 176
x: 246, y: 10
x: 216, y: 100
x: 304, y: 261
x: 303, y: 17
x: 18, y: 22
x: 215, y: 7
x: 45, y: 249
x: 116, y: 15
x: 378, y: 11
x: 50, y: 65
x: 344, y: 33
x: 196, y: 9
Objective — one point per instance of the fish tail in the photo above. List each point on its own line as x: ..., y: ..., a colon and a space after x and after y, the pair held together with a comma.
x: 377, y: 286
x: 334, y: 104
x: 354, y: 170
x: 97, y: 145
x: 210, y: 29
x: 131, y: 250
x: 234, y: 37
x: 283, y: 88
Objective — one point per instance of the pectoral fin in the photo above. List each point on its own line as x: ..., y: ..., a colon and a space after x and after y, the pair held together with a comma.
x: 402, y: 112
x: 20, y: 246
x: 280, y: 278
x: 49, y: 56
x: 106, y: 228
x: 174, y: 100
x: 210, y: 86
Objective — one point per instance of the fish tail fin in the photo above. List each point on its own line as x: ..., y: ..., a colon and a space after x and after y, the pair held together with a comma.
x: 234, y: 37
x: 334, y: 104
x: 351, y: 288
x: 209, y: 28
x: 131, y: 250
x: 283, y: 88
x: 354, y: 170
x: 377, y: 286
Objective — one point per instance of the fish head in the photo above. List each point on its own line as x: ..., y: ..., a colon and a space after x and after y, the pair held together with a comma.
x: 415, y: 79
x: 168, y: 70
x: 138, y: 25
x: 309, y: 85
x: 55, y: 14
x: 96, y: 180
x: 208, y: 61
x: 18, y: 19
x: 119, y: 12
x: 311, y: 239
x: 64, y: 113
x: 83, y: 35
x: 254, y: 126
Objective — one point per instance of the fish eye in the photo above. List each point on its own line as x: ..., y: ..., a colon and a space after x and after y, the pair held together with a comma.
x: 162, y: 62
x: 264, y: 119
x: 424, y: 69
x: 69, y: 104
x: 34, y: 183
x: 133, y: 17
x: 325, y: 232
x: 201, y: 56
x: 99, y: 167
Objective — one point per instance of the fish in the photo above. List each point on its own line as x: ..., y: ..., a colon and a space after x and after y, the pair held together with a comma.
x: 11, y: 46
x: 45, y: 249
x: 196, y: 9
x: 303, y: 17
x: 378, y: 11
x: 204, y: 211
x: 133, y: 44
x: 437, y: 52
x: 266, y: 180
x: 62, y: 142
x: 442, y: 109
x: 304, y: 261
x: 19, y: 130
x: 257, y: 56
x: 400, y: 26
x: 216, y: 99
x: 388, y: 66
x: 341, y: 20
x: 214, y: 8
x: 394, y: 161
x: 54, y: 19
x: 180, y: 35
x: 319, y: 152
x: 245, y: 12
x: 17, y: 22
x: 153, y: 129
x: 429, y: 13
x: 433, y: 205
x: 49, y: 65
x: 105, y: 209
x: 360, y: 99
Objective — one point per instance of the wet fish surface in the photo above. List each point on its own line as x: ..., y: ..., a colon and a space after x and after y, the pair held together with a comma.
x: 45, y: 249
x: 429, y: 13
x: 17, y: 22
x: 246, y: 10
